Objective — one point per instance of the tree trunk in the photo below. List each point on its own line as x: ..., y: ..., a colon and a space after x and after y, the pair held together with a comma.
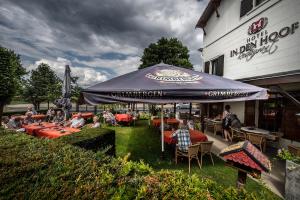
x: 1, y: 112
x: 48, y: 104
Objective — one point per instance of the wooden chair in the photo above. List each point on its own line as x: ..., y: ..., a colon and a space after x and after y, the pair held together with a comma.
x: 190, y: 154
x: 237, y: 134
x: 205, y: 148
x: 258, y: 140
x: 294, y: 150
x: 218, y: 128
x: 209, y: 126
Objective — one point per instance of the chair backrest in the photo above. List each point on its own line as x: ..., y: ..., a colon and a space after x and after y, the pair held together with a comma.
x: 255, y: 138
x: 237, y: 133
x: 193, y: 149
x: 294, y: 150
x: 205, y: 146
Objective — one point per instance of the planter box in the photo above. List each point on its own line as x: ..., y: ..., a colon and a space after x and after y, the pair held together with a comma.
x: 292, y: 181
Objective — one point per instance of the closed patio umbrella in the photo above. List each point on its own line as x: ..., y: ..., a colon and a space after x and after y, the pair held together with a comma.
x: 65, y: 101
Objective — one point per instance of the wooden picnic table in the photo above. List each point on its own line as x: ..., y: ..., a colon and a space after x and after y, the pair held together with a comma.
x: 170, y: 121
x: 124, y: 118
x: 195, y: 135
x: 36, y: 117
x: 56, y: 132
x: 259, y: 131
x: 87, y: 115
x: 32, y: 129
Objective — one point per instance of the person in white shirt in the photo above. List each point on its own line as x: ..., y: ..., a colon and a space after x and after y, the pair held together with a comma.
x: 76, y: 122
x: 96, y: 123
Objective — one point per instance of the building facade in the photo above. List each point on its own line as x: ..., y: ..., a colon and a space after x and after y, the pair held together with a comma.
x: 257, y: 42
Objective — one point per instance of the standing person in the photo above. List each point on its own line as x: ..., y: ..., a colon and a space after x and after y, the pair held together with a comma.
x: 183, y: 136
x: 225, y: 123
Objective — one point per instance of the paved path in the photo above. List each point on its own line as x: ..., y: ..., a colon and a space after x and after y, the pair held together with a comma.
x: 274, y: 181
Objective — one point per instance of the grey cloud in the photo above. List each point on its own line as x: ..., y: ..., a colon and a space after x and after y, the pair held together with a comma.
x: 46, y: 29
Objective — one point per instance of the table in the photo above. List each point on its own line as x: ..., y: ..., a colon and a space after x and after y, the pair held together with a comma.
x: 195, y: 135
x: 56, y: 132
x: 259, y: 131
x: 36, y: 117
x: 124, y: 118
x: 32, y: 129
x: 170, y: 121
x: 84, y: 115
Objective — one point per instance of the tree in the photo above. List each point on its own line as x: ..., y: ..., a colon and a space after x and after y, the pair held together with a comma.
x: 170, y: 51
x: 11, y: 72
x: 42, y: 85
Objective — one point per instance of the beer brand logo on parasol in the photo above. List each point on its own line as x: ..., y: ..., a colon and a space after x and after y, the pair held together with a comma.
x: 171, y: 75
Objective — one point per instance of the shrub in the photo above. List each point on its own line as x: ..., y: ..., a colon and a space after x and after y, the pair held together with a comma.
x: 33, y: 168
x: 94, y: 139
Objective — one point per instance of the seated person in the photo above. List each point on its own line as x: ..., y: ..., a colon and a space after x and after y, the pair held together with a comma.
x: 191, y: 124
x: 96, y: 123
x: 5, y: 120
x: 49, y: 111
x: 59, y: 117
x: 110, y: 118
x: 14, y: 123
x: 28, y: 118
x: 31, y: 110
x: 167, y: 113
x: 76, y: 122
x: 50, y: 118
x: 183, y: 136
x: 129, y: 112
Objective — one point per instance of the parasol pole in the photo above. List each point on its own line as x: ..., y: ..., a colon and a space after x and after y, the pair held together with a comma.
x: 162, y: 128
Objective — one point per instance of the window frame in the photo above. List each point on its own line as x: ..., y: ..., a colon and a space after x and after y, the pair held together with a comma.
x: 254, y: 7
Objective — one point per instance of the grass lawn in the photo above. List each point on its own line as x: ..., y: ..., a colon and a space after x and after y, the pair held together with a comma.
x: 143, y: 143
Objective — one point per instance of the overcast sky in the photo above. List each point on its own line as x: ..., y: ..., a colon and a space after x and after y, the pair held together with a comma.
x: 99, y: 39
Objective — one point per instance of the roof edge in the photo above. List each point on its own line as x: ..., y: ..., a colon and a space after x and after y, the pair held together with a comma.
x: 210, y: 8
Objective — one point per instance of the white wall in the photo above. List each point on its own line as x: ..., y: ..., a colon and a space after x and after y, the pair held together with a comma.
x: 237, y: 108
x: 286, y: 58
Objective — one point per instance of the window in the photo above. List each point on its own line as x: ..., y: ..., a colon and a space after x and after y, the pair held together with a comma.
x: 247, y: 6
x: 206, y: 67
x: 217, y: 66
x: 258, y: 2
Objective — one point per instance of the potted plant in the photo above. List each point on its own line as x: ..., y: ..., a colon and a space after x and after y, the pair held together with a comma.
x: 292, y: 174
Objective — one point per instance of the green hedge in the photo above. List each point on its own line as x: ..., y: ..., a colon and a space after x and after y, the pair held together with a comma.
x: 94, y: 139
x: 33, y: 168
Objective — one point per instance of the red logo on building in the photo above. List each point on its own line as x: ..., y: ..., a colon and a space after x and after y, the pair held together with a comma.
x: 258, y: 25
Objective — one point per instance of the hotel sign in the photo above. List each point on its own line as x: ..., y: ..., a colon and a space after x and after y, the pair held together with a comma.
x: 258, y: 25
x: 261, y: 41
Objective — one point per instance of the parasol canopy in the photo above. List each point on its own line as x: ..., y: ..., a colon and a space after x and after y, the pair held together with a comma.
x: 164, y: 83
